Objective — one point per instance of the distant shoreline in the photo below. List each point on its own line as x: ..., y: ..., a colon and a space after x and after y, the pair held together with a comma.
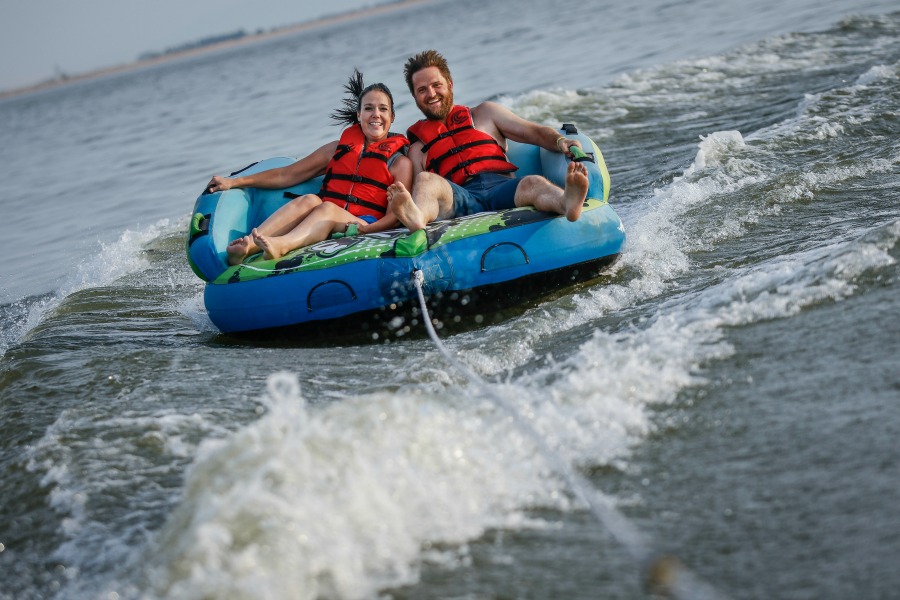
x: 249, y: 38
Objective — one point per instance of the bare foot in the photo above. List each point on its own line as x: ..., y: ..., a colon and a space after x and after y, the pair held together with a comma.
x: 272, y: 247
x: 404, y: 208
x: 577, y: 183
x: 239, y: 249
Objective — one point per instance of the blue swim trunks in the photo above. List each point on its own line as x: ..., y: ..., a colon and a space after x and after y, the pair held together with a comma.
x: 484, y: 192
x: 368, y: 218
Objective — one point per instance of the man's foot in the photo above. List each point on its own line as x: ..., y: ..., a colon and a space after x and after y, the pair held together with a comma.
x: 239, y: 249
x: 272, y: 247
x: 404, y: 208
x: 577, y: 183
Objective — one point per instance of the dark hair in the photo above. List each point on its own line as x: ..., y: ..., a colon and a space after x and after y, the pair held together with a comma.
x: 349, y: 114
x: 423, y: 60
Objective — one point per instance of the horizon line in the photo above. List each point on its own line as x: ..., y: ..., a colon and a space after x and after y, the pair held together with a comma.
x: 247, y: 38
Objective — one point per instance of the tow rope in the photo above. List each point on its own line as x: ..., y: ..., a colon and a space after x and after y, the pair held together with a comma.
x: 663, y: 573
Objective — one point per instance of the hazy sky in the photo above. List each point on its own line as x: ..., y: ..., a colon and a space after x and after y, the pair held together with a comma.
x: 40, y: 38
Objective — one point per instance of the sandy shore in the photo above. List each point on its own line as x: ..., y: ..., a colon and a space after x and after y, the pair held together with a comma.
x: 247, y: 39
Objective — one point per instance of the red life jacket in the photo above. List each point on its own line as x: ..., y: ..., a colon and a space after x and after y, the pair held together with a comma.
x: 357, y: 177
x: 456, y: 150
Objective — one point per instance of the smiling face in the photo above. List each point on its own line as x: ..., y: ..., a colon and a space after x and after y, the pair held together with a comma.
x: 433, y: 93
x: 376, y: 113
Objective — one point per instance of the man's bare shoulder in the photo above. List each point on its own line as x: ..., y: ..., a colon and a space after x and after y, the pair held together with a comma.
x: 489, y: 110
x: 500, y: 122
x: 491, y: 117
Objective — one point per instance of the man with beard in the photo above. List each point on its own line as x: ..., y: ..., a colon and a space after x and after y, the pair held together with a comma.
x: 459, y: 157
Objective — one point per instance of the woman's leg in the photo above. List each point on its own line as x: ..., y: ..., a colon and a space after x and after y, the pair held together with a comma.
x: 318, y: 225
x: 279, y: 222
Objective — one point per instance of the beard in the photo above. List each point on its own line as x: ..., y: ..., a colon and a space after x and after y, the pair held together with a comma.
x: 443, y: 108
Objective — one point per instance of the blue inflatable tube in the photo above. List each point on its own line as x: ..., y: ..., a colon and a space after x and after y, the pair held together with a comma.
x: 472, y: 264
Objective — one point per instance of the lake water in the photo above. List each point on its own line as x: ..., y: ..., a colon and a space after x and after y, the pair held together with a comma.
x: 731, y: 388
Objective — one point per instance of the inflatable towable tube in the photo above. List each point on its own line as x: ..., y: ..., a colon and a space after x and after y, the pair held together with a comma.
x: 489, y: 259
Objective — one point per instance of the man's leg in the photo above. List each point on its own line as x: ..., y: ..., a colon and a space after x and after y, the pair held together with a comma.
x: 540, y: 193
x: 432, y: 199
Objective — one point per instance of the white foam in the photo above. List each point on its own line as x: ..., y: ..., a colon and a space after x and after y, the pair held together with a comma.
x: 340, y: 501
x: 194, y: 309
x: 715, y: 149
x: 796, y: 281
x: 81, y: 466
x: 545, y: 106
x: 877, y: 73
x: 540, y: 105
x: 111, y: 262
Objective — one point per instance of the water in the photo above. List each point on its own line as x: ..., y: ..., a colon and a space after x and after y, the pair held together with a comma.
x: 732, y: 386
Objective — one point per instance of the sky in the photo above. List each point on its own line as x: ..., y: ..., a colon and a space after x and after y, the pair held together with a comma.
x: 40, y: 39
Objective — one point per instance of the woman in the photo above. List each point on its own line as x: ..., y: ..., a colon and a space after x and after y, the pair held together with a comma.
x: 358, y: 168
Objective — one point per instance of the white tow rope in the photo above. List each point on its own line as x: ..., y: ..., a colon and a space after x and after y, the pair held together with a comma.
x: 663, y: 573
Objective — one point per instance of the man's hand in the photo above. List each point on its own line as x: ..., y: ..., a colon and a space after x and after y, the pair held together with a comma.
x: 563, y: 144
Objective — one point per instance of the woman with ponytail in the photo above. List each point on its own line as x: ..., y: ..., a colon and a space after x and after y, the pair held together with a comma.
x: 358, y: 169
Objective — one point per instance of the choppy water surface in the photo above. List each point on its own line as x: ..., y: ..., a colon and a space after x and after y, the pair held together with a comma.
x: 731, y: 386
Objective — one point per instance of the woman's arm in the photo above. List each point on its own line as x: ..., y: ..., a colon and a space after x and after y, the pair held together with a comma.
x: 283, y: 177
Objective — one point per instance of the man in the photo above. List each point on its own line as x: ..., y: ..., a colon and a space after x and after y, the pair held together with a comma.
x: 459, y: 158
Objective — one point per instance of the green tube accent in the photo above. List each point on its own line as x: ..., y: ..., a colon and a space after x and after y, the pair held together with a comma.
x: 411, y: 245
x: 193, y: 230
x: 604, y: 172
x: 195, y: 224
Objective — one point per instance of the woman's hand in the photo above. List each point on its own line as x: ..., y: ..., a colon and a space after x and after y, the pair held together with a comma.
x: 218, y: 184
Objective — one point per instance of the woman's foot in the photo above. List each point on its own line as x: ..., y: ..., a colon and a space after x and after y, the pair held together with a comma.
x: 238, y: 250
x: 272, y: 247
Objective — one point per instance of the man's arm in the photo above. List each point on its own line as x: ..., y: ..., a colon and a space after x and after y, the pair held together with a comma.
x: 503, y: 124
x: 418, y: 159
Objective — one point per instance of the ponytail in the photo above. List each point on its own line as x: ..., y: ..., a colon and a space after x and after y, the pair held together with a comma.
x: 349, y: 113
